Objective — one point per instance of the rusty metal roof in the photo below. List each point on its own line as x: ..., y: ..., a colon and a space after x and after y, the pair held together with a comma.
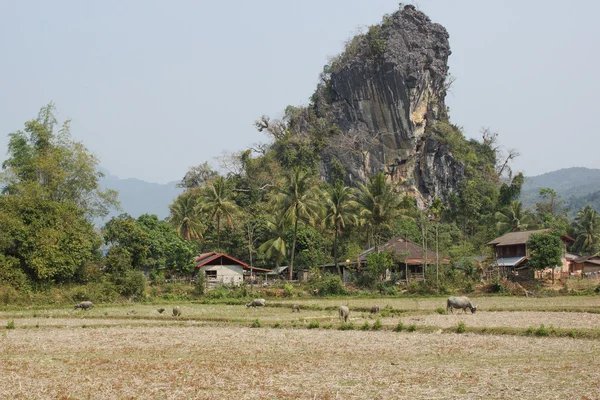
x: 214, y: 258
x: 412, y: 252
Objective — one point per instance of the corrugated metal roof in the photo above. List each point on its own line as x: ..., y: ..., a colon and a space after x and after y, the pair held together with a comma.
x: 510, y: 261
x: 208, y: 258
x: 512, y: 238
x: 403, y: 247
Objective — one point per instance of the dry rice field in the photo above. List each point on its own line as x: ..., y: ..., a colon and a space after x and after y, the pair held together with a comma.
x: 211, y: 352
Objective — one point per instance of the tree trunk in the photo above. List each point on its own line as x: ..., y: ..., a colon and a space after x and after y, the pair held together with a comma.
x: 219, y: 233
x: 335, y: 257
x: 437, y: 254
x: 293, y: 249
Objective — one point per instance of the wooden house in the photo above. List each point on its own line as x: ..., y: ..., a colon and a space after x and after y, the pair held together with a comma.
x: 585, y: 265
x: 410, y: 261
x: 511, y: 253
x: 220, y: 268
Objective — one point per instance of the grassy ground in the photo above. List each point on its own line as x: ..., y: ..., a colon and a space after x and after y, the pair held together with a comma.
x: 211, y: 352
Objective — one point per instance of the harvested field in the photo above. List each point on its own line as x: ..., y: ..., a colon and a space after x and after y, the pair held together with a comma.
x: 210, y: 352
x: 245, y: 363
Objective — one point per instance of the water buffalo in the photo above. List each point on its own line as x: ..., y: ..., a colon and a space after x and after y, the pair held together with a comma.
x: 295, y: 307
x: 344, y: 313
x: 176, y: 311
x: 256, y: 303
x: 84, y: 305
x: 161, y: 310
x: 460, y: 302
x: 375, y: 310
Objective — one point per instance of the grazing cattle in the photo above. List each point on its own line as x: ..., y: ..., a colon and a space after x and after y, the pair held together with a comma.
x: 375, y: 310
x: 460, y: 302
x: 344, y: 313
x: 315, y: 292
x: 256, y: 303
x: 176, y: 311
x: 84, y: 305
x: 161, y: 310
x: 295, y: 307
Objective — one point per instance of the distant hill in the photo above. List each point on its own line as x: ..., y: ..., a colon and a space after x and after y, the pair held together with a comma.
x: 139, y: 197
x: 577, y: 186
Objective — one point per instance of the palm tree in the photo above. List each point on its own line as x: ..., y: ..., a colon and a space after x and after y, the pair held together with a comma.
x: 587, y: 230
x: 514, y: 218
x: 339, y: 211
x: 186, y: 217
x: 298, y: 200
x: 216, y: 201
x: 379, y: 206
x: 275, y: 248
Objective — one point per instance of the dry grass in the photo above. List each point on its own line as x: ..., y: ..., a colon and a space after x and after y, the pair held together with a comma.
x: 245, y: 363
x: 212, y: 353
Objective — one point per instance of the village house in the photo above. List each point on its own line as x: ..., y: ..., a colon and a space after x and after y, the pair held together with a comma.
x: 410, y: 260
x: 586, y: 266
x: 511, y: 254
x: 220, y: 268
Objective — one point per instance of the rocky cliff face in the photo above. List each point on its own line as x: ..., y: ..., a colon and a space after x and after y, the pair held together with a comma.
x: 383, y: 93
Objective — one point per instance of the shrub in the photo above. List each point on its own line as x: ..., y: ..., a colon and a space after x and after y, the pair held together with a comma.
x: 255, y: 324
x: 329, y: 326
x: 313, y: 325
x: 276, y: 325
x: 329, y: 284
x: 461, y: 328
x: 10, y: 324
x: 399, y: 327
x: 440, y: 310
x: 572, y: 333
x: 377, y: 325
x: 411, y: 328
x: 346, y: 326
x: 542, y: 331
x: 200, y: 284
x: 365, y: 326
x: 157, y: 277
x: 288, y: 290
x: 530, y: 331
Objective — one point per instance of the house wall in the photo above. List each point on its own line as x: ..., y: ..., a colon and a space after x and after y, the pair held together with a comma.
x: 226, y: 274
x: 518, y: 250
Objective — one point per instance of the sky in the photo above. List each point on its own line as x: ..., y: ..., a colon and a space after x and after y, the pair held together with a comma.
x: 155, y: 87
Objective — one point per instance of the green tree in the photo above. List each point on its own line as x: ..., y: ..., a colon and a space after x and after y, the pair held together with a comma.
x: 340, y: 209
x: 50, y: 193
x: 379, y: 205
x: 298, y: 200
x: 545, y: 251
x: 514, y: 218
x: 198, y: 176
x: 186, y: 216
x: 59, y: 168
x: 587, y: 231
x: 217, y: 201
x: 123, y: 231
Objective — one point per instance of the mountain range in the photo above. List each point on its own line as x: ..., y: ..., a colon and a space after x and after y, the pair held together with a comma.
x: 577, y: 186
x: 139, y: 197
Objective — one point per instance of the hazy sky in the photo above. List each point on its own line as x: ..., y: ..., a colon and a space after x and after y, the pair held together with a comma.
x: 154, y: 87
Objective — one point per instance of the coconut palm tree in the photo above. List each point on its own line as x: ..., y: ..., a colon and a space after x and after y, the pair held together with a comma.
x: 186, y: 218
x: 275, y: 248
x: 587, y: 230
x: 340, y: 209
x: 379, y: 205
x: 297, y: 200
x: 216, y: 200
x: 514, y: 218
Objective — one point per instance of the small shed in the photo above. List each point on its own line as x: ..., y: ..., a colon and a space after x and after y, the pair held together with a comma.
x: 221, y: 268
